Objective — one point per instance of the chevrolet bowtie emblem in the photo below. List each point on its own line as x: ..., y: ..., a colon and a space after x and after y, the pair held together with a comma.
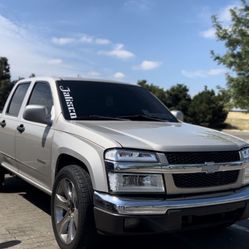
x: 210, y: 167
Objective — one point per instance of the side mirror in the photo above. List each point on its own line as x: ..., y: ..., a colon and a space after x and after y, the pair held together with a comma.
x: 38, y: 114
x: 178, y: 114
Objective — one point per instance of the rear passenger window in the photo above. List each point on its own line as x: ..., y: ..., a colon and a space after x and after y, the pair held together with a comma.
x: 41, y: 95
x: 17, y: 99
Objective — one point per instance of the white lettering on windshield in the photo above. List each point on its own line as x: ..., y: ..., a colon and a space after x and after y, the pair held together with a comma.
x: 69, y: 101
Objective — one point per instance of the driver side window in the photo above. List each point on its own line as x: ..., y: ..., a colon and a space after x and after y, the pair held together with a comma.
x: 41, y: 95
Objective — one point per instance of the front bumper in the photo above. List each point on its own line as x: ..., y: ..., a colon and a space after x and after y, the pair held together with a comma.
x: 123, y: 215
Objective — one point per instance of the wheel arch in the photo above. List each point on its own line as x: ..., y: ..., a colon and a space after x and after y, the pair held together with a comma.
x: 93, y: 165
x: 66, y: 159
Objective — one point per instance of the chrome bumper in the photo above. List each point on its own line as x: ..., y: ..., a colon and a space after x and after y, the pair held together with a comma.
x: 142, y: 206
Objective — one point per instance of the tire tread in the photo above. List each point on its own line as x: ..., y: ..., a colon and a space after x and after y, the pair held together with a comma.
x: 83, y: 185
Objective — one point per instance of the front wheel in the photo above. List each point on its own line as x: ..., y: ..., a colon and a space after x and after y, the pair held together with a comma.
x: 3, y: 172
x: 72, y: 209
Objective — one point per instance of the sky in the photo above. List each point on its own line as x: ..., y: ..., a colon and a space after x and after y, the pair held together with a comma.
x: 164, y: 42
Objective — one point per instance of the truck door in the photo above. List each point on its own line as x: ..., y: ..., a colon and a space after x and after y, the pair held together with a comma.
x: 34, y: 143
x: 8, y: 126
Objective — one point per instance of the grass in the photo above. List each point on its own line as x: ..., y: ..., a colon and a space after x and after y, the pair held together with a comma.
x: 238, y: 120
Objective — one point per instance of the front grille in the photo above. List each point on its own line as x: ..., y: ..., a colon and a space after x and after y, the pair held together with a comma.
x: 202, y: 157
x: 202, y: 180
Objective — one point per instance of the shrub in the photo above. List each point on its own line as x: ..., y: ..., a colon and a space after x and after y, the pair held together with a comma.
x: 208, y: 109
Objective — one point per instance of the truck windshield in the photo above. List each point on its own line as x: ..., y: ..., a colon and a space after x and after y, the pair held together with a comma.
x: 86, y: 100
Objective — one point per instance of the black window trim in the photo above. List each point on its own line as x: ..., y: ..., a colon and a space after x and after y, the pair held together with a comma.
x: 10, y: 101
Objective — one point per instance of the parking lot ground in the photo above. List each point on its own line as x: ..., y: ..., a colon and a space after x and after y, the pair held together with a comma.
x: 25, y: 224
x: 24, y: 217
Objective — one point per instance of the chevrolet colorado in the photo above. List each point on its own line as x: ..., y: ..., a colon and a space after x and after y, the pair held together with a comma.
x: 116, y: 161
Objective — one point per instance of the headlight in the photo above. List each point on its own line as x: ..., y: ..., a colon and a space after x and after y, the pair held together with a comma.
x: 124, y: 182
x: 245, y: 153
x: 134, y: 183
x: 122, y: 155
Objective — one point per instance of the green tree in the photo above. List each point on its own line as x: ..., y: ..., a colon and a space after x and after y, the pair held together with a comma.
x: 32, y: 75
x: 175, y: 98
x: 208, y: 109
x: 5, y: 84
x: 236, y: 58
x: 156, y: 90
x: 4, y: 69
x: 178, y: 98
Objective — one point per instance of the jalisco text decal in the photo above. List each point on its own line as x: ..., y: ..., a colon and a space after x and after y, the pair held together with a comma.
x: 69, y: 102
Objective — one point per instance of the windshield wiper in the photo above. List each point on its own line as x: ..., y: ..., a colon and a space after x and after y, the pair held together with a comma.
x: 142, y: 117
x: 99, y: 117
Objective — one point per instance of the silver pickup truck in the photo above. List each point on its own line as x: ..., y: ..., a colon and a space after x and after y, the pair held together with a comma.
x: 116, y: 161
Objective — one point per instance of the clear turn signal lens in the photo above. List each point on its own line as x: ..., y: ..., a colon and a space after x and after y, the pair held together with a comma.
x: 131, y: 183
x: 246, y: 176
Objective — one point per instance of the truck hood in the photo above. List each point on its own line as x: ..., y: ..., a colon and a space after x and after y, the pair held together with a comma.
x: 163, y: 136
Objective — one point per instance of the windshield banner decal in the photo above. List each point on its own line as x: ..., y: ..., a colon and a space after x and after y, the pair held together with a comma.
x: 69, y: 101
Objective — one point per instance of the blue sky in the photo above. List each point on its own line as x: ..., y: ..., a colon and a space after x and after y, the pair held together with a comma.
x: 165, y: 42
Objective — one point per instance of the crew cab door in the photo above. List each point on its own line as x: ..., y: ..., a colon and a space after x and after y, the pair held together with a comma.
x: 8, y: 126
x: 34, y: 143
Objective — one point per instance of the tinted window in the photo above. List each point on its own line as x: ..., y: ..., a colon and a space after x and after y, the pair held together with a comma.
x: 99, y: 100
x: 41, y: 95
x: 17, y: 99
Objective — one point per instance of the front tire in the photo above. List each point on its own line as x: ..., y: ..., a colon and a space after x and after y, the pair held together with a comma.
x: 3, y: 172
x: 72, y: 209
